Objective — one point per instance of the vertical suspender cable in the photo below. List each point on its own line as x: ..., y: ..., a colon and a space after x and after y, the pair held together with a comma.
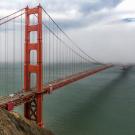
x: 53, y: 52
x: 44, y: 57
x: 1, y: 92
x: 49, y: 52
x: 57, y: 54
x: 21, y: 56
x: 5, y: 58
x: 7, y: 62
x: 14, y: 34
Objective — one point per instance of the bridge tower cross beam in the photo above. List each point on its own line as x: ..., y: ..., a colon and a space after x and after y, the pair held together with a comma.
x: 33, y: 110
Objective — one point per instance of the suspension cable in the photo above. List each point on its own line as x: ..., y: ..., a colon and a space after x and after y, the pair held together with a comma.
x: 21, y: 53
x: 75, y: 44
x: 12, y: 14
x: 64, y: 42
x: 11, y: 19
x: 48, y: 27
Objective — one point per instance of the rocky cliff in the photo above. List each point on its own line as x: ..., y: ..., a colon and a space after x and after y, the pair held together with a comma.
x: 14, y: 124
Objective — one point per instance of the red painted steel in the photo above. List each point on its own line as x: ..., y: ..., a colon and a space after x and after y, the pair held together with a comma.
x: 33, y: 98
x: 29, y: 95
x: 10, y: 106
x: 29, y: 68
x: 61, y: 83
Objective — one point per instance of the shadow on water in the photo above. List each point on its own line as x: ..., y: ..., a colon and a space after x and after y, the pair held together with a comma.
x: 87, y: 109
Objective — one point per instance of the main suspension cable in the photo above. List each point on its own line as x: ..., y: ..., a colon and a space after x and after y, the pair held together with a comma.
x: 12, y: 14
x: 75, y: 44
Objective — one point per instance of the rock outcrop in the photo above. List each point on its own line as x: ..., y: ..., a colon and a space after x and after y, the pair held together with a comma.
x: 15, y: 124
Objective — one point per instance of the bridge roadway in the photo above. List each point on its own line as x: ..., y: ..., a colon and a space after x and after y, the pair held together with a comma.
x: 16, y: 99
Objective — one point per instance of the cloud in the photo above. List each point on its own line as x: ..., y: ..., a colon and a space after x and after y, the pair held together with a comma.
x: 108, y: 43
x: 126, y: 5
x: 104, y: 28
x: 123, y: 13
x: 111, y: 37
x: 68, y: 15
x: 124, y: 21
x: 88, y: 7
x: 81, y: 13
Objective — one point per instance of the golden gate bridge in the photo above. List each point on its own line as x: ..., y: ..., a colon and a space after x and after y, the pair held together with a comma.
x: 37, y: 58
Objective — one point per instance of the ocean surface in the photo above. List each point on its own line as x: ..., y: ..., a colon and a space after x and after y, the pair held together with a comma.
x: 102, y: 104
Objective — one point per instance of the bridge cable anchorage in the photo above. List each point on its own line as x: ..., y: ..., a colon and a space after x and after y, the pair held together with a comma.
x: 75, y: 44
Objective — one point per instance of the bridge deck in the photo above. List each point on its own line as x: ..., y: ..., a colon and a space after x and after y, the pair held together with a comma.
x: 23, y: 97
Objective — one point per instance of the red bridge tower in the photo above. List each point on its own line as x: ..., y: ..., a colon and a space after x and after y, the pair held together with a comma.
x: 33, y: 109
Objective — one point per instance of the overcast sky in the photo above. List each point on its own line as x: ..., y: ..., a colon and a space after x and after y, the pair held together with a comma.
x: 103, y: 28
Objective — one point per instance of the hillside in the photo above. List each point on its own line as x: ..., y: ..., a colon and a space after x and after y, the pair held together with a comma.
x: 14, y: 124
